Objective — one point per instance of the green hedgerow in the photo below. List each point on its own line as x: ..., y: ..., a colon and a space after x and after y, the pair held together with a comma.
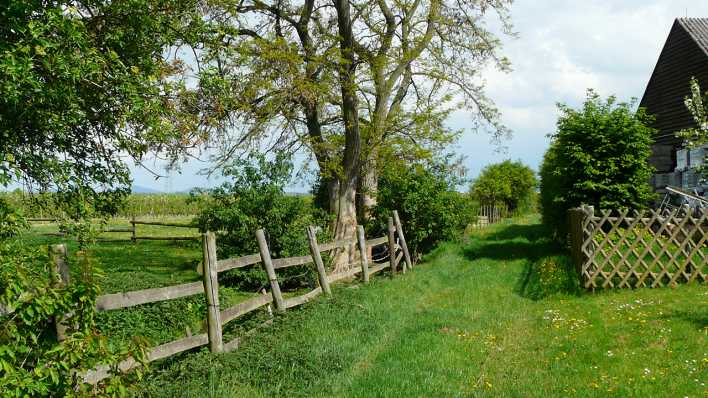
x: 599, y: 157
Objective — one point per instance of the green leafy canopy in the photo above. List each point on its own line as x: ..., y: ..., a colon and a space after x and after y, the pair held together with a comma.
x: 598, y: 156
x: 84, y: 86
x: 509, y: 183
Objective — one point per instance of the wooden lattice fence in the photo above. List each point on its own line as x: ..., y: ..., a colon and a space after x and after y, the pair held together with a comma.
x: 619, y: 249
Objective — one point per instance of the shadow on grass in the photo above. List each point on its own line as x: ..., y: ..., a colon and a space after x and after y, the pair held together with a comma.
x: 513, y: 242
x: 530, y: 232
x: 547, y: 270
x: 697, y: 319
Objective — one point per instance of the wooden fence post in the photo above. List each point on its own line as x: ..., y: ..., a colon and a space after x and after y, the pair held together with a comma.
x: 268, y: 265
x: 391, y: 246
x: 134, y: 237
x: 61, y: 269
x: 317, y: 258
x: 576, y: 238
x: 399, y: 228
x: 363, y: 252
x: 211, y: 290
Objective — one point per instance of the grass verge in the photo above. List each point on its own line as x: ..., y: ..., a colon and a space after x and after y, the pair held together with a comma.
x: 463, y: 324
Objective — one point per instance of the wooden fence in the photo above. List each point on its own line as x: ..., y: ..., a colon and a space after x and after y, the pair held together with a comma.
x: 488, y: 215
x: 651, y: 249
x: 133, y: 230
x: 209, y: 286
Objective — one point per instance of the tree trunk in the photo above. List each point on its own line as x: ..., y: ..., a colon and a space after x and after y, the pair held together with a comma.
x: 346, y: 215
x: 333, y: 195
x: 368, y: 186
x: 369, y: 173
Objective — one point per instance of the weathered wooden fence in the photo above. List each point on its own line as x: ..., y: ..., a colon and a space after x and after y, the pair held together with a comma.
x: 616, y: 249
x: 488, y: 215
x: 133, y: 230
x: 209, y: 286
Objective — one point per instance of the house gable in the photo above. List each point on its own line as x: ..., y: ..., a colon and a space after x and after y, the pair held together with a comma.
x: 685, y: 55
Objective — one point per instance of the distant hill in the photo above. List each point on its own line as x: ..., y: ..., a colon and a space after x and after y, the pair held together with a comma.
x: 142, y: 189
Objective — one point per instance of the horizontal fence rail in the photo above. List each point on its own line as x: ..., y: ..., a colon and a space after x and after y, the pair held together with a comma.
x: 364, y: 264
x: 291, y: 261
x: 337, y: 244
x: 238, y: 262
x: 162, y: 351
x: 164, y: 224
x: 137, y: 297
x: 377, y: 241
x: 244, y: 308
x: 299, y: 300
x: 650, y: 249
x: 131, y: 230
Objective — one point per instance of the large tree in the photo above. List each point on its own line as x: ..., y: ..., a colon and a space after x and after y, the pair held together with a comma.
x: 322, y: 75
x: 509, y: 183
x: 347, y: 65
x: 85, y: 85
x: 422, y: 60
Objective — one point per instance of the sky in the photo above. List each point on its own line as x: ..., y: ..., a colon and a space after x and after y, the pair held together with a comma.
x: 563, y: 48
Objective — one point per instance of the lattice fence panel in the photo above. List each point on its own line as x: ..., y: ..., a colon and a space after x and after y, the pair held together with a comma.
x: 629, y: 250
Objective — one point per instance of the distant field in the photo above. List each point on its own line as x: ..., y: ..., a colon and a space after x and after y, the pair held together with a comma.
x: 141, y: 205
x: 137, y: 204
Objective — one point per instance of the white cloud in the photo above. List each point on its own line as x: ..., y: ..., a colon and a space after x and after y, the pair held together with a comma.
x: 564, y: 48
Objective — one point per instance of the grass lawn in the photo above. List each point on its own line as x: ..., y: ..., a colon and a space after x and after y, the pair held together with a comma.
x: 146, y: 264
x: 458, y: 326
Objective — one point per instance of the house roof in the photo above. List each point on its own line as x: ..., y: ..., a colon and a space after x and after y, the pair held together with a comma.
x: 697, y: 28
x: 684, y: 56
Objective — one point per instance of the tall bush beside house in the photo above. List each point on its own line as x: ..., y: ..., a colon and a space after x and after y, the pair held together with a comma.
x: 508, y: 183
x: 425, y: 196
x: 598, y: 156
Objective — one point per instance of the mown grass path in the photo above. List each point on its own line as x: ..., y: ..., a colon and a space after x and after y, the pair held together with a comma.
x: 457, y: 326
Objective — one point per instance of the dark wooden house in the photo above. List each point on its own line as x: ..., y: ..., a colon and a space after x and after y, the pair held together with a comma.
x: 685, y: 55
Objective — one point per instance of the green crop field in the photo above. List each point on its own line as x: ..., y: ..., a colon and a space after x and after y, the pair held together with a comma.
x: 137, y: 204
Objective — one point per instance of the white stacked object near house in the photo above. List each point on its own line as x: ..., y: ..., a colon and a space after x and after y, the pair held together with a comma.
x: 681, y: 159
